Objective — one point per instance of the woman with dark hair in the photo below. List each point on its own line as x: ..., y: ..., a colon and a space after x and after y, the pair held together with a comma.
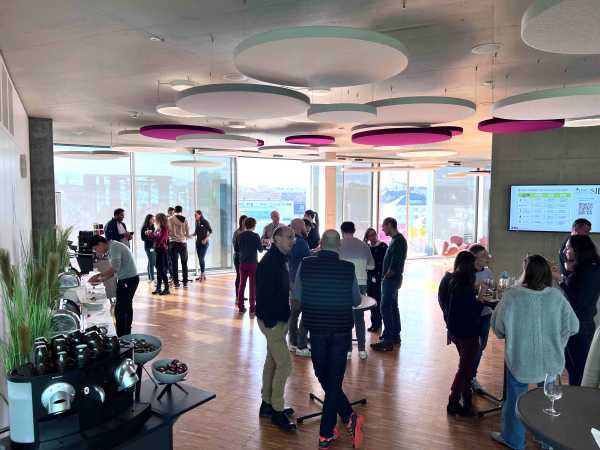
x: 236, y: 251
x: 378, y: 249
x: 582, y: 289
x: 149, y: 245
x: 462, y: 312
x: 202, y: 233
x: 536, y: 321
x: 313, y: 237
x: 161, y: 245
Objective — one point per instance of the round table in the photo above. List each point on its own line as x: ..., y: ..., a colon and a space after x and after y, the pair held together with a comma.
x: 579, y: 412
x: 366, y: 302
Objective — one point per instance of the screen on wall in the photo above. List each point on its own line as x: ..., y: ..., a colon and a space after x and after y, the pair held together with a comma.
x: 553, y: 207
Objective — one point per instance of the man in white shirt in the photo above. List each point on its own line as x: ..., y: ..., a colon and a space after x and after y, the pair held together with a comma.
x: 357, y: 252
x: 179, y: 233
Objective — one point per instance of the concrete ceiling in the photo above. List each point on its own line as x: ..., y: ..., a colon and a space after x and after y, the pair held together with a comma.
x: 87, y: 63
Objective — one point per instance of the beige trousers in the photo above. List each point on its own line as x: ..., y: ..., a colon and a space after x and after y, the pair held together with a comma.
x: 278, y: 364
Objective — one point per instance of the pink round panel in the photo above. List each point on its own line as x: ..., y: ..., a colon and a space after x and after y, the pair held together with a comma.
x: 170, y: 132
x: 310, y: 139
x: 402, y: 136
x: 506, y: 126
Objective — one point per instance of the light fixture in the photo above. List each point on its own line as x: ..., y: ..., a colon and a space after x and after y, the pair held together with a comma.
x: 583, y: 122
x: 172, y: 110
x: 181, y: 85
x: 94, y: 154
x: 426, y: 153
x: 155, y: 37
x: 487, y: 48
x: 236, y: 125
x: 235, y: 76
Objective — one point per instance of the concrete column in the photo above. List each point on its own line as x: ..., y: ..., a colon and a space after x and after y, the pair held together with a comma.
x: 330, y: 199
x: 41, y: 159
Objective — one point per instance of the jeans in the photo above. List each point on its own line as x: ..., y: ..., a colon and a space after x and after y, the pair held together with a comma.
x: 161, y: 268
x: 247, y: 271
x: 179, y: 249
x: 124, y: 305
x: 484, y: 333
x: 201, y: 249
x: 374, y: 291
x: 328, y: 353
x: 151, y: 254
x: 298, y: 334
x: 513, y: 430
x: 169, y: 260
x: 577, y: 351
x: 468, y: 349
x: 390, y: 312
x: 278, y: 365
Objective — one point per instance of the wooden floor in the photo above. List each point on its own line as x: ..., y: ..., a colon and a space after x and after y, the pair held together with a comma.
x: 407, y: 390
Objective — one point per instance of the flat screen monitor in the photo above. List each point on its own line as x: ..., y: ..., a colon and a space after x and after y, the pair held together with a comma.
x: 553, y: 207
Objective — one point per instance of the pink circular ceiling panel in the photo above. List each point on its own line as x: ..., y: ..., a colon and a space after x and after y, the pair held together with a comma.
x: 402, y: 136
x: 506, y: 126
x: 310, y: 139
x: 456, y: 131
x: 170, y: 132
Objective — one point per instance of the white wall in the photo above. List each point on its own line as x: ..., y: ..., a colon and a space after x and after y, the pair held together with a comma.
x: 15, y: 198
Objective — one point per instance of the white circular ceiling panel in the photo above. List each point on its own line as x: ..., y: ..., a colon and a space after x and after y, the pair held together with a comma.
x: 562, y: 26
x: 143, y: 148
x: 243, y: 101
x: 426, y: 110
x: 342, y: 113
x: 562, y: 103
x: 217, y: 141
x: 172, y: 110
x: 94, y: 154
x: 320, y: 56
x: 583, y: 122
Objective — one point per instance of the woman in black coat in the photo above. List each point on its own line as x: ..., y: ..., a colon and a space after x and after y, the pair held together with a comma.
x: 374, y: 277
x: 582, y: 289
x: 149, y: 245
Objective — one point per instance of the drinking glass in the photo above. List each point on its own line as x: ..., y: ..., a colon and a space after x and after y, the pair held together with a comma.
x: 553, y: 391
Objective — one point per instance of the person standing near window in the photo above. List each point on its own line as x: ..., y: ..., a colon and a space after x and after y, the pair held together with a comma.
x: 236, y: 251
x: 170, y: 213
x: 149, y: 245
x: 250, y: 244
x: 123, y: 267
x: 161, y: 246
x: 313, y: 232
x: 202, y: 233
x: 270, y: 228
x: 378, y: 249
x: 115, y: 229
x: 580, y: 227
x: 300, y: 250
x: 582, y: 289
x: 179, y: 232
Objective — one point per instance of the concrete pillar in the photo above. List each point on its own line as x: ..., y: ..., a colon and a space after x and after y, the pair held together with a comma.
x: 41, y: 159
x: 330, y: 199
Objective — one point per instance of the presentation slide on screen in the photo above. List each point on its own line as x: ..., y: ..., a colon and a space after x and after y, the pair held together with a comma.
x: 553, y: 208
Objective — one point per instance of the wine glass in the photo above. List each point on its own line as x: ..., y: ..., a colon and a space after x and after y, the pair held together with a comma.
x: 553, y: 391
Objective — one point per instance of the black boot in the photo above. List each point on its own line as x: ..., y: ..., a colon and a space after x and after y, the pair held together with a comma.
x: 282, y: 421
x: 455, y: 408
x: 265, y: 410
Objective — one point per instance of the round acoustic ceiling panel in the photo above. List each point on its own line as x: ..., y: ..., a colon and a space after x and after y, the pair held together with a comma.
x: 456, y: 131
x: 293, y: 150
x: 170, y: 131
x: 548, y: 104
x: 390, y: 137
x: 198, y: 163
x: 427, y: 153
x: 145, y: 148
x: 342, y: 113
x: 94, y: 154
x: 562, y: 26
x: 423, y: 110
x: 172, y: 110
x: 216, y: 141
x: 310, y: 139
x: 583, y: 122
x: 243, y: 101
x: 210, y: 152
x: 320, y: 56
x: 506, y: 126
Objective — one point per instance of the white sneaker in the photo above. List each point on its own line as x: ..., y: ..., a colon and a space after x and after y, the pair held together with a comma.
x: 292, y: 348
x: 349, y: 356
x: 303, y: 352
x: 363, y: 354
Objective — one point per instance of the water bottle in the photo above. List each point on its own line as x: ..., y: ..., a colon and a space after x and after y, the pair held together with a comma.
x: 503, y: 283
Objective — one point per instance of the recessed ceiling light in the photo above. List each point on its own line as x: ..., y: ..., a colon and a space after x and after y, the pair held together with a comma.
x: 488, y: 48
x: 236, y: 125
x: 181, y: 85
x: 172, y: 110
x: 155, y: 37
x: 487, y: 83
x: 583, y: 122
x: 134, y: 114
x: 235, y: 76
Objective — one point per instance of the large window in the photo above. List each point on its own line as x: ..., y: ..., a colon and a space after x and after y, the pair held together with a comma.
x: 90, y: 191
x: 483, y: 210
x: 357, y: 199
x: 266, y: 185
x: 420, y: 213
x: 393, y: 192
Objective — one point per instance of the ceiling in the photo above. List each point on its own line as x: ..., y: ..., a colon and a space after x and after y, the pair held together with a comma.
x: 87, y: 63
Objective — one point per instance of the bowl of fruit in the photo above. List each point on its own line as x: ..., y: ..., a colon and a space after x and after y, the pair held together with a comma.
x: 145, y: 346
x: 169, y: 371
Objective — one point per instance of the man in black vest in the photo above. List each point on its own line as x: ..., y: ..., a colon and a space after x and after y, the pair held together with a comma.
x: 327, y: 289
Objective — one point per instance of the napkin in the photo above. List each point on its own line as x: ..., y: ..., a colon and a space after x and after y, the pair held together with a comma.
x: 596, y: 435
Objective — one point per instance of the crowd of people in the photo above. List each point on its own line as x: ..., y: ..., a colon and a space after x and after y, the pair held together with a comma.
x: 546, y: 320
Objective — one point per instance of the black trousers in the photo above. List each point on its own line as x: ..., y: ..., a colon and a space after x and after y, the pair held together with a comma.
x: 124, y: 306
x: 577, y: 351
x: 374, y: 291
x: 236, y: 264
x: 328, y: 353
x: 179, y: 249
x: 161, y: 269
x: 201, y: 249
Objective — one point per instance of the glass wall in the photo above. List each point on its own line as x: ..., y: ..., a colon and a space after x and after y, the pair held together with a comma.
x: 393, y: 189
x: 266, y: 185
x: 483, y: 210
x: 420, y: 213
x: 357, y: 200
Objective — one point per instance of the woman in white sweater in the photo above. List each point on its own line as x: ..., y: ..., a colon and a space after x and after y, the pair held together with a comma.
x: 536, y: 322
